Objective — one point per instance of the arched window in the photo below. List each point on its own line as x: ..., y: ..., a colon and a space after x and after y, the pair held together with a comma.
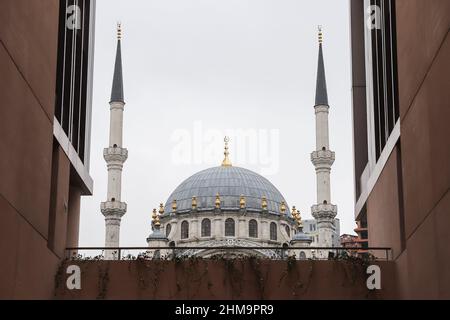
x: 253, y: 229
x: 288, y: 230
x: 184, y: 230
x: 168, y: 229
x: 229, y: 227
x: 206, y: 228
x: 273, y: 231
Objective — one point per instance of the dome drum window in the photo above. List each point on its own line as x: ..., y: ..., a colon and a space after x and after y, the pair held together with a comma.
x: 184, y: 230
x: 230, y: 228
x: 206, y: 228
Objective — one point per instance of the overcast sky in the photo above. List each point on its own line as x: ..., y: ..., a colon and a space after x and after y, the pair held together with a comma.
x: 197, y: 70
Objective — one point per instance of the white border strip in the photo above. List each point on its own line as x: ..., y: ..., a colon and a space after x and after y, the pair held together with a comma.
x: 368, y: 181
x: 74, y: 159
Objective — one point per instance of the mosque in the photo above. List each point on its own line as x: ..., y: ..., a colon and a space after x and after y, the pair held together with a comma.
x: 227, y: 206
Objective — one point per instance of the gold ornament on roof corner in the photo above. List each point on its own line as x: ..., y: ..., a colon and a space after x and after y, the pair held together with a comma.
x: 226, y: 161
x: 157, y: 222
x: 264, y: 203
x: 299, y: 220
x: 194, y: 203
x: 161, y: 209
x: 283, y: 207
x: 154, y: 215
x: 242, y: 202
x: 174, y: 205
x: 217, y: 202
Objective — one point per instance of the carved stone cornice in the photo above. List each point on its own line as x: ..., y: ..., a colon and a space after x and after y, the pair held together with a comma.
x: 323, y: 158
x: 324, y: 211
x: 118, y: 155
x: 322, y: 108
x: 113, y: 209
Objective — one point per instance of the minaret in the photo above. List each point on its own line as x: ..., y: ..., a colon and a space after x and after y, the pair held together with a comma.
x: 323, y: 158
x: 115, y: 156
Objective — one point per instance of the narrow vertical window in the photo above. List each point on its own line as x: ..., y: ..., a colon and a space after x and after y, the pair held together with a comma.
x: 273, y: 231
x: 229, y: 228
x: 288, y: 230
x: 168, y: 229
x: 253, y: 229
x: 184, y: 230
x: 206, y: 228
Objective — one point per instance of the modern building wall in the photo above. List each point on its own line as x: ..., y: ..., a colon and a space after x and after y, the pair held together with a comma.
x: 407, y: 201
x: 40, y: 188
x: 241, y: 279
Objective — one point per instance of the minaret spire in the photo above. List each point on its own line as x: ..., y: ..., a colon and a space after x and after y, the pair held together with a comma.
x: 115, y: 156
x: 321, y: 85
x: 323, y: 158
x: 117, y: 87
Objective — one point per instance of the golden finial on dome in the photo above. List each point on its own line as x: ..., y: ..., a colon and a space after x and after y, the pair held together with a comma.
x: 320, y: 34
x: 161, y: 209
x: 226, y: 161
x: 174, y: 205
x: 294, y: 211
x: 194, y: 203
x: 242, y: 202
x: 283, y: 207
x: 264, y: 203
x: 119, y: 31
x: 217, y: 203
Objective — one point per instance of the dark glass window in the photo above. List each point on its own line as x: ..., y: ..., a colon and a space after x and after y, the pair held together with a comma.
x: 273, y: 231
x: 206, y: 228
x: 229, y: 228
x: 72, y: 71
x: 184, y: 230
x: 253, y: 229
x: 384, y: 74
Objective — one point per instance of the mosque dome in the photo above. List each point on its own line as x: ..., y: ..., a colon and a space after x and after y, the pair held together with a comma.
x: 230, y: 183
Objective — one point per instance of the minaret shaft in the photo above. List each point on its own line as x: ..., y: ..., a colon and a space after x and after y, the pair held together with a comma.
x: 323, y: 153
x: 116, y: 124
x: 322, y: 133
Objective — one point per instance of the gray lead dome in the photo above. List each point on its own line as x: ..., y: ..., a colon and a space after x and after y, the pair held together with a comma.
x: 230, y: 183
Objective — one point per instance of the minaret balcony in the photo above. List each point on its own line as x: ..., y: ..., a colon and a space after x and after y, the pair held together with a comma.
x: 324, y: 211
x: 323, y: 158
x: 115, y: 154
x: 113, y: 208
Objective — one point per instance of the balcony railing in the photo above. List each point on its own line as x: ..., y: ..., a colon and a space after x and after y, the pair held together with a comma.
x: 282, y: 253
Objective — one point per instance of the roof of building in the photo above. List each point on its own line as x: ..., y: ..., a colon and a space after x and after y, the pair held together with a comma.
x: 301, y: 236
x: 230, y: 183
x: 157, y: 235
